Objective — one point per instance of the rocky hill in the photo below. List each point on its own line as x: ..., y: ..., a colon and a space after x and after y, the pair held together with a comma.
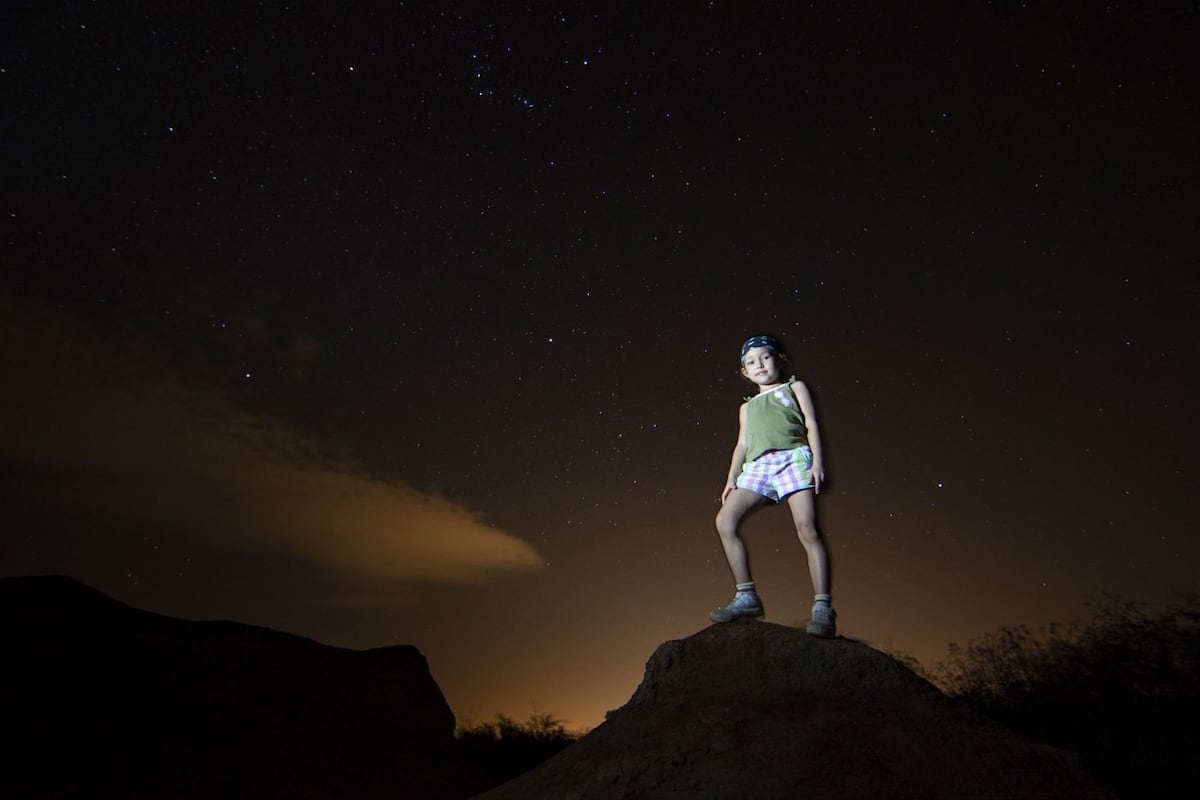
x: 758, y: 710
x: 104, y: 700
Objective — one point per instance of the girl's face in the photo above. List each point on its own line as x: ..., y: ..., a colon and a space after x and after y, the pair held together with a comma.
x: 760, y: 366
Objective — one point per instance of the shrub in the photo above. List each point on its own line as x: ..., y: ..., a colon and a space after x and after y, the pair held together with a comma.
x: 1122, y: 690
x: 503, y: 749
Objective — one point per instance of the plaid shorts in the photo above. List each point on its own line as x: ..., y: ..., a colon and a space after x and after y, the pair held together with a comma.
x: 777, y: 473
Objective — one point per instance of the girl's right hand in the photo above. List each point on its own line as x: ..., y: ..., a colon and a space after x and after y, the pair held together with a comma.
x: 725, y: 494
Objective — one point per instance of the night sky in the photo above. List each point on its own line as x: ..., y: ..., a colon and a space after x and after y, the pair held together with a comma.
x: 419, y: 322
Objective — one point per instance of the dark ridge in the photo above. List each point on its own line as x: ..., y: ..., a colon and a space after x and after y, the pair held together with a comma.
x: 106, y: 700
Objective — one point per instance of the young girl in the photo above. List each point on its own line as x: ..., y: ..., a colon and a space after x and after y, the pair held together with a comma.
x: 777, y: 457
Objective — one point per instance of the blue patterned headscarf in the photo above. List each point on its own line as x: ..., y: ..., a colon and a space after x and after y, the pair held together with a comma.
x: 768, y: 342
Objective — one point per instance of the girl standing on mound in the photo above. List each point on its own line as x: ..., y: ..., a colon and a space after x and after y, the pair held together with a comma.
x: 777, y: 457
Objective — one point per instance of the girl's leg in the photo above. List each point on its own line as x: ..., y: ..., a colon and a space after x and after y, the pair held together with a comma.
x: 804, y: 515
x: 729, y: 519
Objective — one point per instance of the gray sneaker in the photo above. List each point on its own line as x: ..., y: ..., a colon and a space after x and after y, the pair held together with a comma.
x: 743, y: 604
x: 824, y: 621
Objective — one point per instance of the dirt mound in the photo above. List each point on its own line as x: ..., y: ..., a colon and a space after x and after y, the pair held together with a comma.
x: 753, y: 709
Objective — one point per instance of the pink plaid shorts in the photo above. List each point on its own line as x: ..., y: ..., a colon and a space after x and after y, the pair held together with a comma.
x: 777, y: 473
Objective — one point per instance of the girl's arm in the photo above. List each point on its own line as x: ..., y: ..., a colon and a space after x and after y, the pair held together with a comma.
x: 739, y: 455
x: 814, y: 433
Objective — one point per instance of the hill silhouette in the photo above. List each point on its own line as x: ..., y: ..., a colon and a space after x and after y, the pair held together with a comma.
x: 754, y: 709
x: 105, y: 700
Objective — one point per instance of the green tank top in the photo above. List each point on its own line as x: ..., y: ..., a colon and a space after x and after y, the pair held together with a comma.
x: 774, y: 421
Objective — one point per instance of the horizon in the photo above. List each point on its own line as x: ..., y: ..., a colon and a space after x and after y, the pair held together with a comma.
x: 925, y: 670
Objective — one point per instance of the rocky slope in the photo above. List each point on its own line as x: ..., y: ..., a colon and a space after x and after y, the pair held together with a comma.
x: 753, y: 709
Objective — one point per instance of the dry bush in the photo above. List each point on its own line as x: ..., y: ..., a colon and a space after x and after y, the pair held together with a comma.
x: 1121, y: 689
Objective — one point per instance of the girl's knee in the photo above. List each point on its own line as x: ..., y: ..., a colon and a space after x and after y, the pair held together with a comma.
x: 726, y: 531
x: 724, y: 518
x: 808, y: 533
x: 727, y: 525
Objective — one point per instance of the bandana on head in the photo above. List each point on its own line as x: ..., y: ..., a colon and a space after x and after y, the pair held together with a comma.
x: 759, y: 341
